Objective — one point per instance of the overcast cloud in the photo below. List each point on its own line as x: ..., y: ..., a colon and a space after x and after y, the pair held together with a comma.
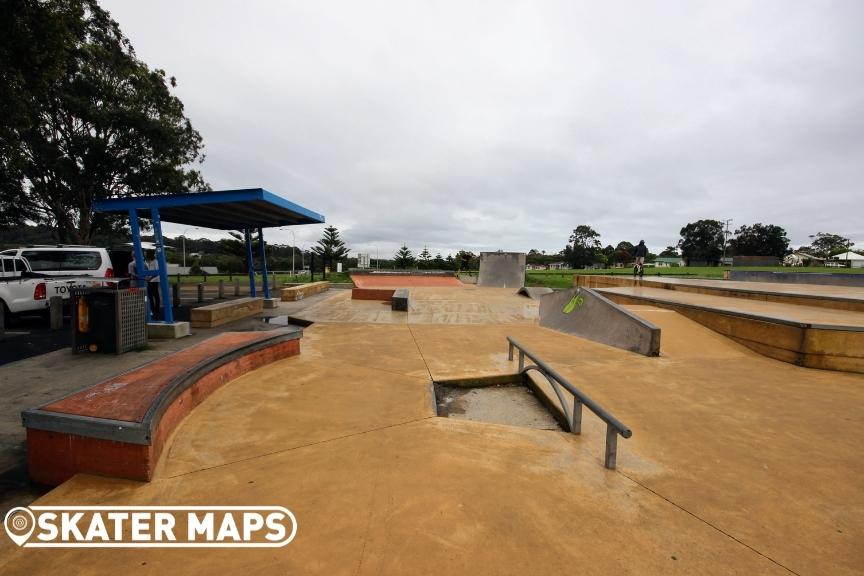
x: 504, y: 125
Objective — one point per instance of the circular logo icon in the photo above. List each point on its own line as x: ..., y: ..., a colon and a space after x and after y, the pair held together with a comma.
x: 19, y: 523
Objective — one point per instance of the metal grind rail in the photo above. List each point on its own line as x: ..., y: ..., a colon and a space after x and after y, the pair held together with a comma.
x: 573, y: 414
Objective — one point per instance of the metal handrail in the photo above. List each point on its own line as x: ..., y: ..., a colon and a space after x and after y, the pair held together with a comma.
x: 614, y: 427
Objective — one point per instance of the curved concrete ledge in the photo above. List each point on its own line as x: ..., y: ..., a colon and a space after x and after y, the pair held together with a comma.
x: 120, y: 426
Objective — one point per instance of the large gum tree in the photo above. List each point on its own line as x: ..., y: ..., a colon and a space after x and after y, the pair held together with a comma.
x: 82, y: 118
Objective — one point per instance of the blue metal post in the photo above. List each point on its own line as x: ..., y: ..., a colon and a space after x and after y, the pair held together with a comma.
x: 264, y: 280
x: 248, y: 235
x: 140, y: 281
x: 163, y: 266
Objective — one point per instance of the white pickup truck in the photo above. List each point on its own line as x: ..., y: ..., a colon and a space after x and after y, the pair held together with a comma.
x: 22, y: 290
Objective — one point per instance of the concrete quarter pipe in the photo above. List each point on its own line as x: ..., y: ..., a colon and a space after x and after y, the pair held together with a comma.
x: 502, y: 270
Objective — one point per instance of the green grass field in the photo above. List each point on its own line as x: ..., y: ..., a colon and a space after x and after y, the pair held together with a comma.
x: 564, y: 278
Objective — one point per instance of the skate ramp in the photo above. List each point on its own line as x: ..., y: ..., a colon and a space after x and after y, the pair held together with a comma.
x: 502, y: 270
x: 404, y: 281
x: 535, y: 292
x: 583, y: 312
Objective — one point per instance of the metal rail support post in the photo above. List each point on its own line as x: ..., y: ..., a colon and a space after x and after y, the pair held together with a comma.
x: 251, y: 261
x: 163, y: 267
x: 261, y: 251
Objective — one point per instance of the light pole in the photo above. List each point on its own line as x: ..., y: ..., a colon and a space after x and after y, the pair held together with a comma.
x: 184, y: 243
x: 293, y: 250
x: 725, y: 235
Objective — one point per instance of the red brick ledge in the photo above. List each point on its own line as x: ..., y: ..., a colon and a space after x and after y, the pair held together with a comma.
x: 119, y: 427
x: 382, y: 294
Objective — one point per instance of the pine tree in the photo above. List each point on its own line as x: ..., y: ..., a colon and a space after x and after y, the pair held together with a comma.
x: 404, y: 258
x: 425, y: 258
x: 330, y: 247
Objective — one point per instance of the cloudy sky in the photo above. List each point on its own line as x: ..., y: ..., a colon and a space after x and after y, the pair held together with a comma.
x: 488, y: 125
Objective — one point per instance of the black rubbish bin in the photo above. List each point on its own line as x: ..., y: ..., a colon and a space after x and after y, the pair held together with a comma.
x: 108, y: 321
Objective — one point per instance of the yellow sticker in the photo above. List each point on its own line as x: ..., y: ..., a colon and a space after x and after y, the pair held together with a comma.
x: 576, y: 302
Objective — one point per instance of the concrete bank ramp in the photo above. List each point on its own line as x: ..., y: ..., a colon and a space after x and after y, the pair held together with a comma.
x: 535, y: 292
x: 502, y: 270
x: 583, y: 312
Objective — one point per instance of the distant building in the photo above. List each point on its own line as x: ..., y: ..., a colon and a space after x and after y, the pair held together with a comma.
x: 853, y: 259
x: 802, y: 259
x: 668, y: 261
x: 559, y: 266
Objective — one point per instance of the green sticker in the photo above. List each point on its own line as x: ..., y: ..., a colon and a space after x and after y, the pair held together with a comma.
x: 576, y: 302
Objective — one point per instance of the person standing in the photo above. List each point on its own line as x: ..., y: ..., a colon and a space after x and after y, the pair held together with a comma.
x: 640, y: 252
x: 131, y: 273
x: 152, y: 265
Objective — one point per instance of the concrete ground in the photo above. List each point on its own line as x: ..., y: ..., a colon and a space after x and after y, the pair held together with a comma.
x: 428, y: 305
x: 738, y: 464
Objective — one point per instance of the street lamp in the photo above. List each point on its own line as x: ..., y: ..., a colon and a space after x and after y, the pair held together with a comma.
x: 293, y: 250
x: 184, y: 243
x: 725, y: 235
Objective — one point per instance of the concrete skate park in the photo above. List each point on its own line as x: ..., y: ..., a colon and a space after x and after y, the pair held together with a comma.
x: 741, y: 403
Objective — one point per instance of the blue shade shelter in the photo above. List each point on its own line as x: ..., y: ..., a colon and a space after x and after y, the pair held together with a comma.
x: 246, y: 210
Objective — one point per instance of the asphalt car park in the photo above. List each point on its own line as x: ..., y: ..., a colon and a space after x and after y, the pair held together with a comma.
x: 31, y: 335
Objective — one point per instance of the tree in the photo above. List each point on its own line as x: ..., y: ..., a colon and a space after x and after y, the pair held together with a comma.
x: 330, y: 247
x: 586, y: 244
x: 702, y: 241
x: 669, y: 252
x: 621, y: 254
x: 83, y: 119
x: 425, y: 258
x: 404, y: 258
x: 466, y: 260
x: 760, y: 240
x: 825, y: 244
x: 438, y: 262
